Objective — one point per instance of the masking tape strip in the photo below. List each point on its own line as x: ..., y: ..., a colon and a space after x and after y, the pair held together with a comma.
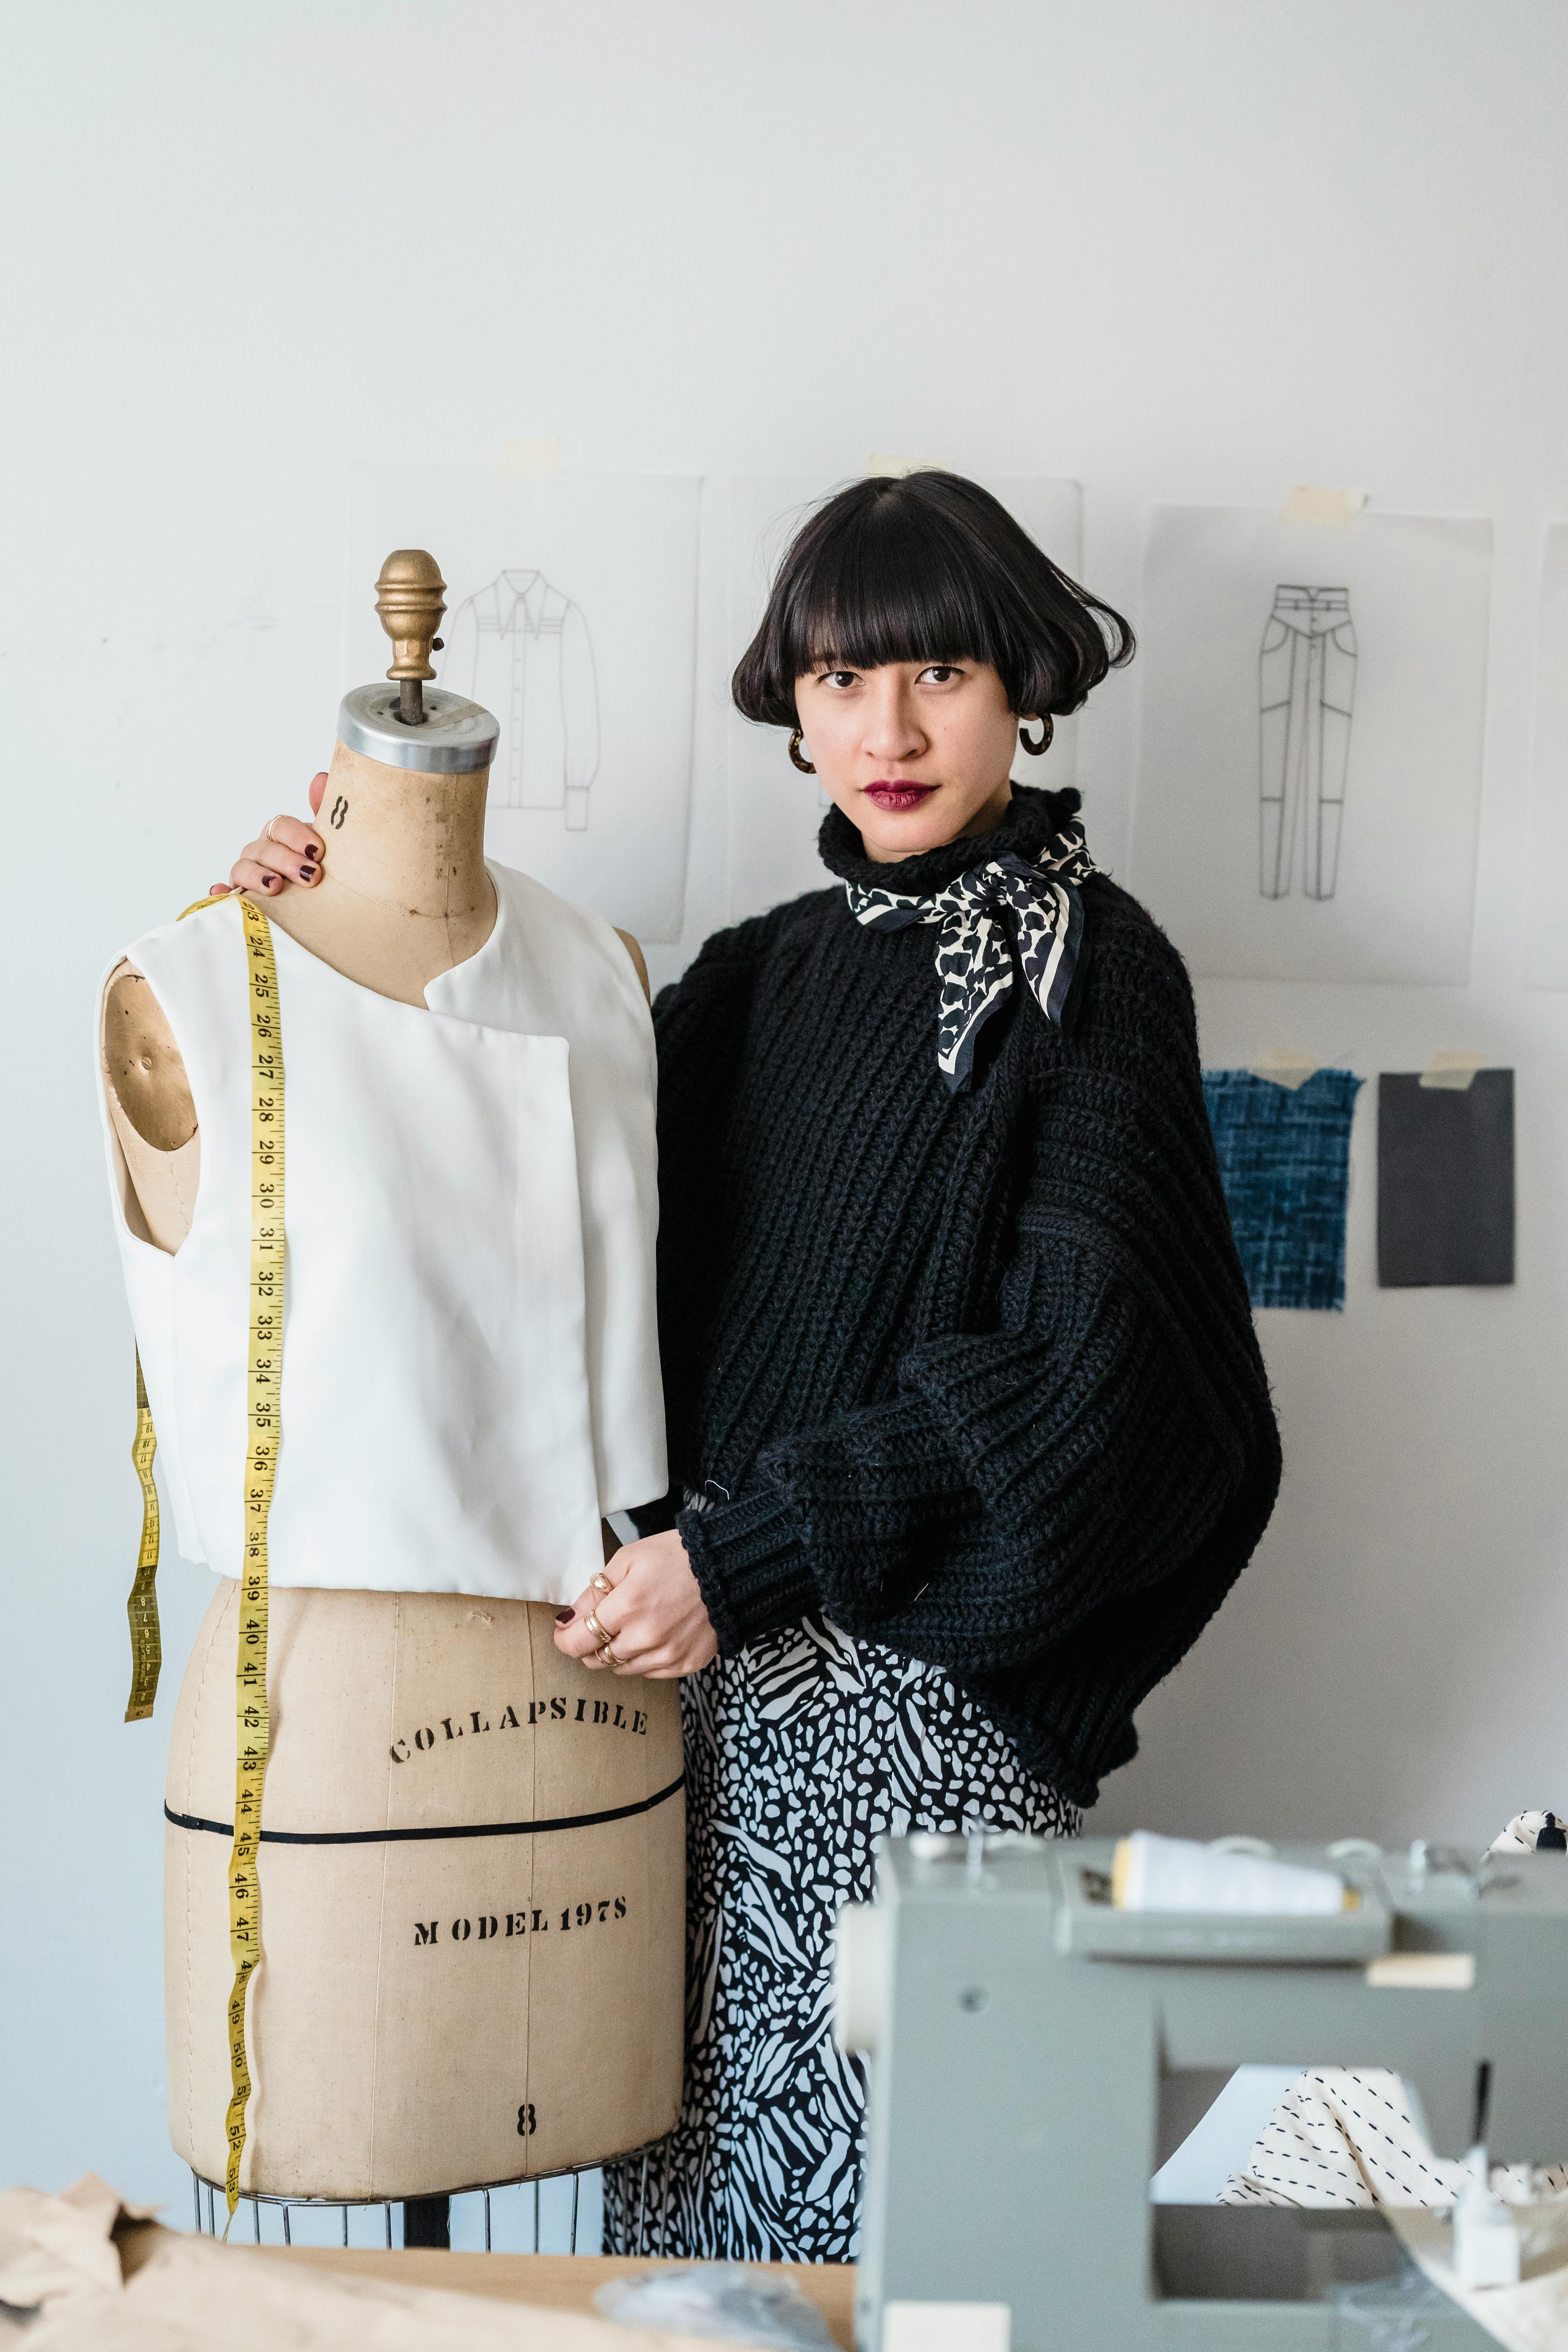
x: 1452, y: 1073
x: 453, y: 1830
x: 1283, y: 1066
x: 887, y: 461
x: 538, y: 458
x: 1305, y: 503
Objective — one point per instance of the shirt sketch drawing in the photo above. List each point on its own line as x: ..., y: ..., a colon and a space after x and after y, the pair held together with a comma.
x: 521, y: 648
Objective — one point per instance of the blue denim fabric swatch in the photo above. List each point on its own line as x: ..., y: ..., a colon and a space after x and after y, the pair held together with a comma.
x: 1284, y: 1160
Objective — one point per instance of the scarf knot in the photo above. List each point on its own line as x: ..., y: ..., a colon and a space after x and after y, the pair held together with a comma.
x: 1002, y: 909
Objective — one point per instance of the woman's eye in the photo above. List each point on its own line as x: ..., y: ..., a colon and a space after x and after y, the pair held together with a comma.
x: 941, y: 673
x: 837, y: 679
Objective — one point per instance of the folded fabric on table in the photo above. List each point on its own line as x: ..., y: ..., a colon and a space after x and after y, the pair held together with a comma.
x: 1349, y: 2135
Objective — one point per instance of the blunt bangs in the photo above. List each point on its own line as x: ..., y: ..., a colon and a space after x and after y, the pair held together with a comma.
x: 926, y: 567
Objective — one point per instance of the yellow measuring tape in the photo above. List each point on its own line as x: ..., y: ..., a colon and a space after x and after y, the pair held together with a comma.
x: 141, y: 1604
x: 263, y: 1393
x: 142, y: 1601
x: 263, y: 1390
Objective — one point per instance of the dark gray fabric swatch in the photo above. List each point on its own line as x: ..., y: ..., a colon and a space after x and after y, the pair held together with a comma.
x: 1445, y: 1181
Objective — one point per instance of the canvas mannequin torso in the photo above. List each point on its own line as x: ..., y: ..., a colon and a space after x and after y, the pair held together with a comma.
x: 403, y: 896
x: 470, y: 1381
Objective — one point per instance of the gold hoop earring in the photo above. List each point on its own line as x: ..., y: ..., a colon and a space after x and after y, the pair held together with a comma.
x: 804, y: 765
x: 1047, y: 731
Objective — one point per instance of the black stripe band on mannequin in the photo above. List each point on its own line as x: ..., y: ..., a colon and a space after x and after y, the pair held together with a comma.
x: 458, y: 1830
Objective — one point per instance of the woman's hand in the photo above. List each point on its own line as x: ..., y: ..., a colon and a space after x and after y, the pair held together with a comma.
x: 652, y: 1612
x: 287, y: 850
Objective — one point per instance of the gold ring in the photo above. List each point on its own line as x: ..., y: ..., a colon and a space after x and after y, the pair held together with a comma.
x: 267, y: 830
x: 609, y: 1657
x: 602, y: 1583
x: 597, y: 1631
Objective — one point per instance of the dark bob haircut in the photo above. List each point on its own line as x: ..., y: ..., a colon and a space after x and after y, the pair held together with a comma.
x: 927, y: 567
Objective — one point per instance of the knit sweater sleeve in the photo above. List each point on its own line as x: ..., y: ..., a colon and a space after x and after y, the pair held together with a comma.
x: 699, y: 1022
x: 1086, y: 1448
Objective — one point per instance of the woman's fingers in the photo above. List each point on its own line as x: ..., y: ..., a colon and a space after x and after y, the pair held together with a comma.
x: 646, y: 1648
x: 285, y: 851
x: 291, y: 836
x: 652, y: 1618
x: 631, y: 1634
x: 250, y: 873
x: 576, y: 1635
x: 642, y: 1647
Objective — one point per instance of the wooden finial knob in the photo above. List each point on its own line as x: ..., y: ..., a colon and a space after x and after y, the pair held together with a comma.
x: 411, y: 597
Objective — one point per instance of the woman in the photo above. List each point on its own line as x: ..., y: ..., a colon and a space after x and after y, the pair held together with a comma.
x: 969, y: 1431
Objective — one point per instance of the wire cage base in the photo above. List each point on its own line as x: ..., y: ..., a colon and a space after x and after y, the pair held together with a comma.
x: 206, y: 2226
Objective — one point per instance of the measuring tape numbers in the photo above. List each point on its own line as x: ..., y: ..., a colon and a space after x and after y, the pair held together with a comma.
x: 142, y: 1603
x: 263, y: 1393
x: 264, y: 1374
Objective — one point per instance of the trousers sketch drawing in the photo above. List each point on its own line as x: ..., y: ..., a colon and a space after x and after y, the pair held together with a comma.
x: 1306, y: 674
x: 521, y: 648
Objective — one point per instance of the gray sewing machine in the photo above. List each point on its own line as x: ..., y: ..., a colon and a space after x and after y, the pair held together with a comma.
x: 1024, y: 2034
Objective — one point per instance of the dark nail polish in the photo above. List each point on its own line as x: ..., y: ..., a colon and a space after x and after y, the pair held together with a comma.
x: 564, y: 1616
x: 307, y: 872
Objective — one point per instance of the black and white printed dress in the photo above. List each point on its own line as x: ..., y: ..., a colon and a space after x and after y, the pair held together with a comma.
x: 800, y: 1753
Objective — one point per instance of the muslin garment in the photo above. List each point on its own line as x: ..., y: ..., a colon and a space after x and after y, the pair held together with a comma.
x: 470, y: 1358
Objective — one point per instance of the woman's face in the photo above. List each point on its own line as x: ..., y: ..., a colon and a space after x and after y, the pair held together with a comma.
x: 914, y: 753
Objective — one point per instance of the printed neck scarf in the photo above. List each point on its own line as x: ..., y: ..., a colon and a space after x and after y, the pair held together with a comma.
x: 985, y: 915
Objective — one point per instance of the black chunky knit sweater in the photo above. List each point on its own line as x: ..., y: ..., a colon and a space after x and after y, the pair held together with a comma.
x: 973, y: 1375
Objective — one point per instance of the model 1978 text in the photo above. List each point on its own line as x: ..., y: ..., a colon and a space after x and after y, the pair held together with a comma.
x: 486, y: 1927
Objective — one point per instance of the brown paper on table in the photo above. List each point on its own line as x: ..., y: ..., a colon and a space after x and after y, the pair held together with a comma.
x: 431, y: 2013
x: 191, y: 2295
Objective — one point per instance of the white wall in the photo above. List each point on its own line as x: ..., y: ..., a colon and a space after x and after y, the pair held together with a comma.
x: 1195, y: 252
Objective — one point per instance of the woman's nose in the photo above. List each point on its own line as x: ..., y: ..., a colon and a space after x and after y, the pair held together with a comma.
x: 892, y: 731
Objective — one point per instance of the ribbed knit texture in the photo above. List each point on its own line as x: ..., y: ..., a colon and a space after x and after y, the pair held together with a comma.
x: 973, y: 1376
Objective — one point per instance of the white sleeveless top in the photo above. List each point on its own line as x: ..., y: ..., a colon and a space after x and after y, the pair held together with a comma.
x: 470, y: 1356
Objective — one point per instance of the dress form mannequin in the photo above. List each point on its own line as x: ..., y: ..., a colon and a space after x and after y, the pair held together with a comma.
x: 430, y: 2013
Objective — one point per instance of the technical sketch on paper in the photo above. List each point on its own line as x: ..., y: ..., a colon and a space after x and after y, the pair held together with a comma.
x: 1306, y: 692
x: 572, y: 617
x: 521, y: 648
x: 1313, y: 713
x: 1546, y: 933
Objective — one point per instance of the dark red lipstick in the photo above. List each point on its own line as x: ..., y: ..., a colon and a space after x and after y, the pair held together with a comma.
x: 896, y: 794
